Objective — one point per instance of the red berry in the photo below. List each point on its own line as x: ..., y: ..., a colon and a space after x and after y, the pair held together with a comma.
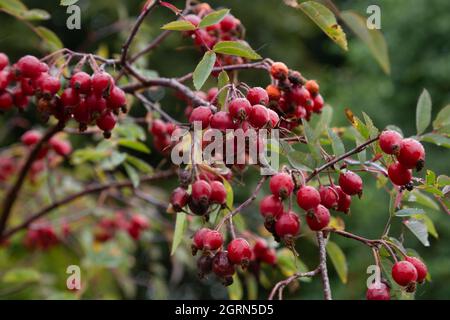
x: 201, y: 114
x: 218, y: 193
x: 49, y: 85
x: 308, y: 198
x: 404, y: 273
x: 319, y: 218
x: 344, y: 200
x: 421, y: 268
x: 239, y: 251
x: 61, y: 147
x: 378, y: 291
x: 281, y: 185
x: 399, y: 175
x: 31, y: 137
x: 69, y: 97
x: 390, y: 141
x: 96, y: 104
x: 30, y: 67
x: 299, y: 95
x: 106, y: 122
x: 4, y: 80
x: 312, y: 86
x: 350, y: 183
x: 117, y: 98
x: 328, y: 197
x: 317, y: 103
x: 221, y: 265
x: 260, y: 248
x: 279, y: 70
x: 158, y: 128
x: 201, y: 191
x: 228, y: 23
x: 274, y: 118
x: 269, y: 257
x: 199, y: 238
x: 222, y: 121
x: 411, y: 154
x: 179, y: 199
x: 192, y: 18
x: 27, y: 86
x: 271, y: 207
x: 81, y: 82
x: 4, y: 61
x: 257, y: 95
x: 212, y: 95
x: 212, y: 240
x: 204, y: 266
x: 288, y: 224
x: 6, y: 101
x: 81, y: 113
x: 20, y: 99
x: 240, y: 108
x: 259, y: 116
x: 102, y: 82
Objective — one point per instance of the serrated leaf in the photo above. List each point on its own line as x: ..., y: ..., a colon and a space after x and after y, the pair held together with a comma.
x: 36, y: 14
x: 50, y: 38
x: 436, y: 139
x: 21, y: 275
x: 236, y: 48
x: 179, y: 25
x: 373, y: 38
x: 132, y: 174
x: 406, y: 212
x: 423, y: 112
x: 419, y: 229
x: 338, y: 260
x: 235, y: 291
x: 139, y: 164
x: 134, y: 145
x: 203, y: 69
x: 442, y: 118
x: 213, y: 18
x: 180, y: 226
x: 67, y: 3
x: 336, y: 143
x: 326, y: 21
x: 222, y: 81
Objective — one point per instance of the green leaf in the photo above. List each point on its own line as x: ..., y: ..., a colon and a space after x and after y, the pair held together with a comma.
x: 430, y: 178
x: 442, y: 118
x: 420, y: 198
x: 419, y: 229
x: 203, y: 69
x: 300, y: 160
x: 423, y: 112
x: 324, y: 120
x: 430, y: 226
x: 50, y: 38
x: 437, y: 139
x: 21, y: 275
x: 443, y: 180
x: 223, y: 81
x: 326, y: 20
x: 235, y: 291
x: 113, y: 161
x: 67, y: 3
x: 409, y: 212
x: 179, y: 25
x: 88, y: 154
x: 213, y: 18
x: 180, y: 226
x: 36, y: 14
x: 252, y: 288
x: 135, y: 145
x: 130, y: 130
x: 13, y: 7
x: 132, y: 174
x: 289, y: 264
x: 336, y: 143
x: 236, y: 48
x: 230, y: 193
x: 142, y: 166
x: 338, y: 259
x: 372, y: 38
x: 373, y: 131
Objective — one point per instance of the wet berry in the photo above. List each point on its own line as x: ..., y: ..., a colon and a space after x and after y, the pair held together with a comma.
x: 81, y: 82
x: 212, y: 240
x: 201, y: 114
x: 279, y: 70
x: 218, y: 193
x: 288, y: 224
x: 222, y: 266
x: 344, y: 200
x: 240, y: 108
x: 378, y: 291
x: 201, y: 191
x: 179, y: 199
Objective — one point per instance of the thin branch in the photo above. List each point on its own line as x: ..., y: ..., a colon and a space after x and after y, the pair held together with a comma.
x: 152, y: 45
x: 155, y: 108
x: 323, y: 266
x: 284, y: 283
x: 368, y: 242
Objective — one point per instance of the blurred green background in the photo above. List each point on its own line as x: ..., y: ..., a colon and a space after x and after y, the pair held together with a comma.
x: 417, y: 33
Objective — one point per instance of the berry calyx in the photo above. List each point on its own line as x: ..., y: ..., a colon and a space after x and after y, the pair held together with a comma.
x: 398, y: 174
x: 421, y: 268
x: 390, y: 141
x: 218, y: 193
x: 308, y: 198
x: 240, y: 108
x: 351, y: 183
x: 328, y: 197
x: 281, y: 185
x: 271, y: 207
x: 239, y: 252
x: 201, y: 114
x: 212, y: 240
x: 318, y: 218
x: 378, y: 291
x: 404, y: 273
x: 411, y: 154
x: 257, y: 95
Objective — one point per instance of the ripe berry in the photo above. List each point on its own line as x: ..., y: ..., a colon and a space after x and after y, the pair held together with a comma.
x: 273, y: 118
x: 421, y: 268
x: 20, y: 99
x: 102, y: 83
x: 218, y: 193
x: 211, y: 96
x: 390, y: 141
x: 31, y: 137
x: 318, y: 103
x: 201, y: 114
x: 344, y: 200
x: 96, y: 104
x: 288, y: 224
x: 222, y: 266
x: 201, y: 191
x: 81, y: 82
x: 319, y: 218
x: 273, y: 92
x: 49, y: 85
x: 350, y: 183
x: 4, y: 79
x: 81, y: 113
x: 328, y: 197
x: 259, y: 116
x: 269, y: 257
x: 411, y: 154
x: 308, y: 198
x: 117, y: 98
x: 198, y: 241
x: 257, y: 95
x: 271, y: 207
x: 106, y: 122
x: 222, y: 121
x: 179, y: 199
x: 281, y: 185
x: 61, y: 147
x: 299, y: 95
x: 404, y: 273
x: 204, y: 266
x: 313, y: 87
x: 378, y: 291
x: 398, y: 174
x: 158, y: 128
x: 69, y: 97
x: 279, y: 70
x: 239, y: 251
x: 30, y: 67
x: 6, y: 101
x: 260, y: 248
x: 212, y: 240
x: 4, y: 61
x: 228, y: 23
x: 240, y: 108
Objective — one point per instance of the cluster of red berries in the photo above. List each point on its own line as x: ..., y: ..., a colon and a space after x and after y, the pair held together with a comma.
x: 87, y: 99
x: 107, y: 227
x: 43, y: 236
x: 406, y: 273
x: 409, y: 153
x: 162, y: 132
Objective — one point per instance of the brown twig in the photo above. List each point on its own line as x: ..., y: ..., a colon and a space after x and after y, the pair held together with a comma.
x: 284, y: 283
x: 323, y: 266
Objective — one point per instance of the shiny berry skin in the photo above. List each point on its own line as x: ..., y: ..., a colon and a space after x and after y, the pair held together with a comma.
x: 6, y: 101
x: 259, y: 116
x: 69, y: 97
x: 212, y: 240
x: 30, y: 67
x: 313, y: 87
x: 421, y: 268
x: 328, y: 197
x: 31, y: 137
x: 378, y: 291
x: 4, y: 60
x: 221, y: 121
x: 201, y: 191
x: 49, y: 85
x: 106, y: 122
x: 61, y: 147
x: 81, y: 82
x: 390, y: 141
x: 274, y: 119
x: 279, y: 70
x: 281, y: 185
x: 179, y: 199
x: 239, y: 251
x: 221, y: 265
x: 271, y: 207
x: 240, y: 108
x: 318, y: 103
x: 201, y: 114
x: 117, y: 98
x: 399, y: 175
x: 344, y: 200
x: 228, y: 23
x: 288, y: 224
x: 218, y: 193
x: 199, y: 238
x: 318, y: 218
x: 351, y: 183
x: 404, y: 273
x: 158, y: 128
x: 308, y: 198
x: 102, y: 83
x: 411, y: 154
x: 257, y: 95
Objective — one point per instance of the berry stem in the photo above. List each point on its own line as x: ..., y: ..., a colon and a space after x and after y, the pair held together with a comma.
x: 282, y: 284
